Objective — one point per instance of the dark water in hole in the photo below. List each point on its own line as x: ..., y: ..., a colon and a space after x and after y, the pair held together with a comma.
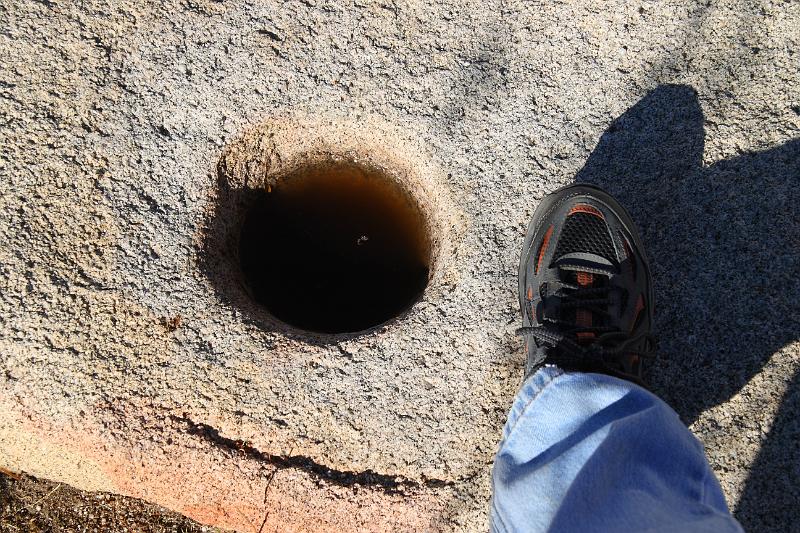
x: 335, y: 249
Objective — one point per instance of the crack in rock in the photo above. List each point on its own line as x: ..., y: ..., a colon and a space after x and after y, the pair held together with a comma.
x: 384, y: 482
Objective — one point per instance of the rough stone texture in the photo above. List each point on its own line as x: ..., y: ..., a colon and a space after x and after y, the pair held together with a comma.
x: 127, y: 366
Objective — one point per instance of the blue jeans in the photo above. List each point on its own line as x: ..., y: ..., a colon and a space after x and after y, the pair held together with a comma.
x: 589, y: 452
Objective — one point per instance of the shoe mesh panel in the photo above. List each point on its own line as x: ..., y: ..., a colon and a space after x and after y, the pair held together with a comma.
x: 584, y: 232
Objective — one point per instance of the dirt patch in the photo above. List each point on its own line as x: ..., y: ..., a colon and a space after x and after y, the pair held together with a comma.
x: 33, y: 505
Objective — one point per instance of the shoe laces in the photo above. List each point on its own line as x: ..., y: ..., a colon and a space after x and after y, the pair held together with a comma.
x: 606, y: 344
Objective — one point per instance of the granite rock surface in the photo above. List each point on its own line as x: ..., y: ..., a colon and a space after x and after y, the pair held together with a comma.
x: 132, y: 362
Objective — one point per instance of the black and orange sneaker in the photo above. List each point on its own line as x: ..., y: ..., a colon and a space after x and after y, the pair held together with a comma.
x: 584, y: 286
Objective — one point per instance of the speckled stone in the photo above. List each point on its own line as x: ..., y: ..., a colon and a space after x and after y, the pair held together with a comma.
x: 131, y: 362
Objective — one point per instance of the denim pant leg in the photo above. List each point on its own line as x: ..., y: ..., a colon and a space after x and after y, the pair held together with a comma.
x: 589, y: 452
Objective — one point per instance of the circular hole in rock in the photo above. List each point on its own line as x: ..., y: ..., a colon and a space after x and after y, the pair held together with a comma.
x: 335, y: 248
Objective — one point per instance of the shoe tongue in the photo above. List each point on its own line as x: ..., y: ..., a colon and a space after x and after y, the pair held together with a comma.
x: 582, y: 278
x: 585, y: 262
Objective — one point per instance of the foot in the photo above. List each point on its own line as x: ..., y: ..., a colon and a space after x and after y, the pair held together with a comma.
x: 584, y: 286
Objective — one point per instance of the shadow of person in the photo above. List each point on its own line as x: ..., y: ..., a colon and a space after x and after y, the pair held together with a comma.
x: 724, y: 249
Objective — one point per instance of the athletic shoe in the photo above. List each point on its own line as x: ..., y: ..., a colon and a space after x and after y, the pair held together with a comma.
x: 584, y: 286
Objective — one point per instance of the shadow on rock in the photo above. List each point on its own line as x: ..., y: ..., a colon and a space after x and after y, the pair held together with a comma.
x: 723, y: 247
x: 219, y: 261
x: 769, y: 500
